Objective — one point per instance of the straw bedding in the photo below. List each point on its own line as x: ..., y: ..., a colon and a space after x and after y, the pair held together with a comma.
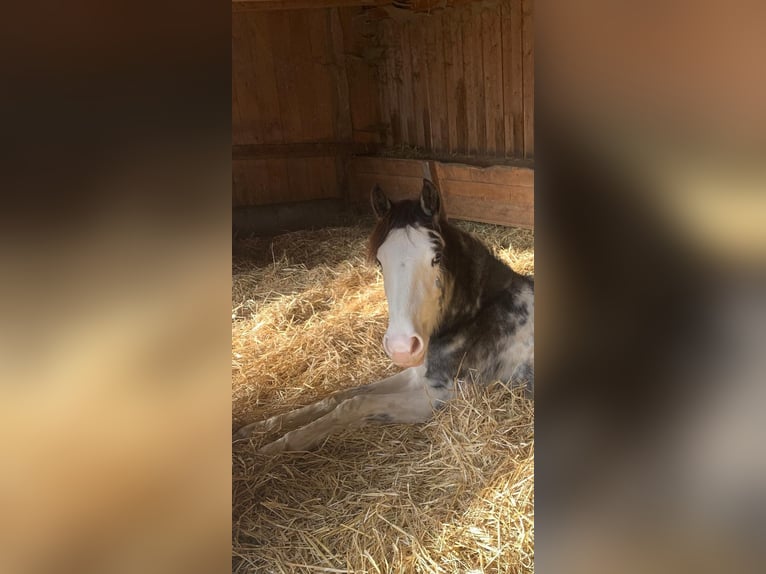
x: 451, y: 495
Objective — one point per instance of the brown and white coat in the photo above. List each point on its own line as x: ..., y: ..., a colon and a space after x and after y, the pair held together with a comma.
x: 454, y: 310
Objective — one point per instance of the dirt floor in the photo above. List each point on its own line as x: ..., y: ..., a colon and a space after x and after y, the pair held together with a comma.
x: 451, y: 495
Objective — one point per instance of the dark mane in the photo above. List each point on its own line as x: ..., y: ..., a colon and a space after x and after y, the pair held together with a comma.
x: 476, y: 275
x: 401, y: 214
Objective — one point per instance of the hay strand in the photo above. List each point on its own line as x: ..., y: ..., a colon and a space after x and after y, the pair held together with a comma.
x: 452, y: 495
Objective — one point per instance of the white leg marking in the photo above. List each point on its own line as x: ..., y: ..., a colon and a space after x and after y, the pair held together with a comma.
x: 411, y: 406
x: 304, y: 415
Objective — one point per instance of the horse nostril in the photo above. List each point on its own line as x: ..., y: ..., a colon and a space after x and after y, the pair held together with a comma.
x: 416, y: 345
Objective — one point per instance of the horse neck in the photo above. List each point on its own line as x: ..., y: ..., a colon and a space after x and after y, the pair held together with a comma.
x: 475, y: 277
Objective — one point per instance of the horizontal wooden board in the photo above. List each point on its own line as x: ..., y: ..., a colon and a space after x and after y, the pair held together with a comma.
x: 498, y: 194
x: 277, y: 218
x: 262, y: 5
x: 267, y: 5
x: 381, y: 165
x: 500, y: 175
x: 489, y: 211
x: 257, y: 181
x: 396, y: 187
x: 300, y: 149
x: 517, y: 195
x: 267, y: 181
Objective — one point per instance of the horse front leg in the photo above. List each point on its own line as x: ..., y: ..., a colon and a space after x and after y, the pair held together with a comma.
x: 415, y: 402
x: 304, y: 415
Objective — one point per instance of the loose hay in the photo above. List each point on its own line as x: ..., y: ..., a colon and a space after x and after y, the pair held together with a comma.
x: 452, y: 495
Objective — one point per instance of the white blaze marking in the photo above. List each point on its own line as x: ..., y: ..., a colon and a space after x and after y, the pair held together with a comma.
x: 410, y: 282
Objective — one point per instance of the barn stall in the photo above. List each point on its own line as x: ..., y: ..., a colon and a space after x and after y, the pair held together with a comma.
x: 329, y: 98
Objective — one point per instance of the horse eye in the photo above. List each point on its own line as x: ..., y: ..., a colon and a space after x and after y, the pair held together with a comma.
x: 378, y: 262
x: 437, y: 258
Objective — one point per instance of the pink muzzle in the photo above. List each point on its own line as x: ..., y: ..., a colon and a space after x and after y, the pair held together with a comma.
x: 404, y: 350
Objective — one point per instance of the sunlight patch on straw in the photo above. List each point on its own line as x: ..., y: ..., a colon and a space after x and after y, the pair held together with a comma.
x: 451, y: 495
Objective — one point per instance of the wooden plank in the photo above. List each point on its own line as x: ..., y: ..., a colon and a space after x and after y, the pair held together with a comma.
x: 343, y: 125
x: 469, y: 65
x: 493, y: 80
x: 528, y: 73
x: 477, y: 77
x: 489, y: 211
x: 437, y: 89
x: 456, y: 87
x: 516, y: 79
x: 259, y: 181
x: 287, y: 72
x: 406, y: 95
x: 264, y: 5
x: 391, y: 43
x: 324, y: 174
x: 311, y: 178
x: 384, y: 166
x: 507, y: 43
x: 384, y: 87
x: 275, y: 218
x: 301, y: 149
x: 258, y: 118
x: 365, y: 89
x: 515, y: 195
x: 422, y: 112
x: 498, y: 175
x: 485, y: 209
x: 239, y: 69
x: 266, y: 181
x: 299, y: 180
x: 269, y: 5
x: 396, y: 187
x: 499, y: 194
x: 317, y: 90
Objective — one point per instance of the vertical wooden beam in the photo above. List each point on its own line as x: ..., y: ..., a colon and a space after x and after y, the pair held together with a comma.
x: 343, y: 127
x: 437, y: 89
x: 422, y: 112
x: 505, y: 32
x: 514, y: 53
x: 257, y: 115
x: 407, y: 94
x: 469, y: 65
x: 384, y: 91
x: 343, y: 123
x: 319, y: 84
x: 529, y: 77
x: 456, y: 88
x: 493, y: 81
x: 477, y: 75
x: 393, y: 54
x: 365, y: 80
x: 278, y: 24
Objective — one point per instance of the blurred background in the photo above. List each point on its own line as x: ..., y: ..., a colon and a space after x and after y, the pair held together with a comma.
x: 651, y: 244
x: 115, y: 288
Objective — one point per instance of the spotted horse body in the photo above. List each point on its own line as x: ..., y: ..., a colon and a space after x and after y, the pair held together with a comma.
x: 454, y: 310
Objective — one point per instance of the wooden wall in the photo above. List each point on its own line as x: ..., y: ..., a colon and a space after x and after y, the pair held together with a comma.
x: 290, y: 107
x: 498, y: 194
x: 313, y: 87
x: 460, y: 80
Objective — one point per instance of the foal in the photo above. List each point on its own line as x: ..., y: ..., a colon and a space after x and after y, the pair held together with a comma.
x: 453, y: 308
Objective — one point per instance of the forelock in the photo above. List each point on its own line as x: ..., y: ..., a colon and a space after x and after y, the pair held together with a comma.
x: 402, y: 214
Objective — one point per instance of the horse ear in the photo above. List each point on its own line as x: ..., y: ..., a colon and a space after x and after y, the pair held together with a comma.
x: 381, y: 205
x: 431, y: 200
